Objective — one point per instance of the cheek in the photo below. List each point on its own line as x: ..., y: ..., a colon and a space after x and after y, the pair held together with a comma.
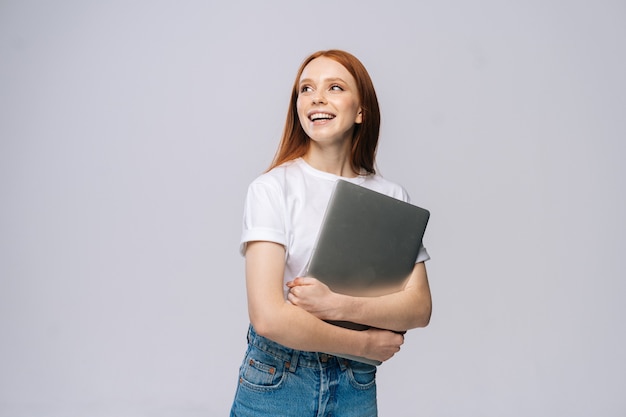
x: 301, y: 112
x: 302, y: 118
x: 350, y: 106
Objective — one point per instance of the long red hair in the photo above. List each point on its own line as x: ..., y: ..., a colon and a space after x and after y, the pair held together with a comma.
x: 295, y: 143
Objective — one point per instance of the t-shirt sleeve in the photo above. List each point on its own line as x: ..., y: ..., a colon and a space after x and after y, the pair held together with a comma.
x: 263, y: 216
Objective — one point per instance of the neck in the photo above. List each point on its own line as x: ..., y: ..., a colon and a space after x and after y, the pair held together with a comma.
x: 334, y: 161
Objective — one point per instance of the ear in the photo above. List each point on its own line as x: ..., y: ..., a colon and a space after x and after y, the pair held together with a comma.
x: 359, y: 117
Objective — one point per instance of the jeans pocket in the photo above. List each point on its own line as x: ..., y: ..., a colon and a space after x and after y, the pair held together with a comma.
x: 361, y: 375
x: 261, y: 371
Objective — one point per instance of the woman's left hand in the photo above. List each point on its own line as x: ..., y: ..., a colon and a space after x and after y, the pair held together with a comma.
x: 315, y: 297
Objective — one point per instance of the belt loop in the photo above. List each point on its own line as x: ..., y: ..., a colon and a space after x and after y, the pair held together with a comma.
x: 294, y: 361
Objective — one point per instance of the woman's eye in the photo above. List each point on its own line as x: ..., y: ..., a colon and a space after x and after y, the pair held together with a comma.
x: 305, y: 89
x: 336, y: 87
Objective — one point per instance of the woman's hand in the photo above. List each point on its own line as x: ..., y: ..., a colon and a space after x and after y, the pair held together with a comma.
x: 315, y: 297
x: 382, y: 344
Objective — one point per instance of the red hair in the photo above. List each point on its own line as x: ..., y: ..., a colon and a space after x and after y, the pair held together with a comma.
x: 295, y: 143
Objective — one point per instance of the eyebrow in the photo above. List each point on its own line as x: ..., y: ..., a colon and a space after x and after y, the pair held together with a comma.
x: 327, y: 80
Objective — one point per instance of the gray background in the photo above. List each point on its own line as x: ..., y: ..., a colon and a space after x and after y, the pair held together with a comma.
x: 130, y: 130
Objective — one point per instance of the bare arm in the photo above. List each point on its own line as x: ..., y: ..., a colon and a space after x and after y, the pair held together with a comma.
x: 409, y: 308
x: 274, y: 318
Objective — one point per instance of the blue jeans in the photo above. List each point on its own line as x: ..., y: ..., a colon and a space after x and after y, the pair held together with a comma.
x: 277, y: 381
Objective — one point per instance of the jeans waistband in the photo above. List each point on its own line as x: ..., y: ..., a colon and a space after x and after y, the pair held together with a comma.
x: 292, y: 357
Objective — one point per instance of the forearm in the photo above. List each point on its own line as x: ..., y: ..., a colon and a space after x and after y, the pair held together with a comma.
x: 295, y: 328
x: 398, y: 311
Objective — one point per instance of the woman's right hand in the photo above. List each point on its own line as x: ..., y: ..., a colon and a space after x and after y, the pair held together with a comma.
x: 381, y: 344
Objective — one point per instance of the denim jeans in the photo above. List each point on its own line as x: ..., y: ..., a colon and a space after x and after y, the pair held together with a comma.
x: 280, y: 382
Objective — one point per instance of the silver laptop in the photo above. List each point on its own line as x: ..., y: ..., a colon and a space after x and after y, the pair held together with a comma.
x: 367, y: 244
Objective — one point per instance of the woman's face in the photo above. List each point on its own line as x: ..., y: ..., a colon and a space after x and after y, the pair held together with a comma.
x: 328, y: 101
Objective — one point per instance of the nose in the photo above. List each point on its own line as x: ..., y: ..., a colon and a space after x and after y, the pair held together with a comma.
x: 318, y: 97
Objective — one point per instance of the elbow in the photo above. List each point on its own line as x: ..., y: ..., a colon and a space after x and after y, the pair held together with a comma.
x: 265, y: 324
x: 426, y: 313
x: 262, y: 326
x: 421, y: 318
x: 419, y: 322
x: 425, y: 319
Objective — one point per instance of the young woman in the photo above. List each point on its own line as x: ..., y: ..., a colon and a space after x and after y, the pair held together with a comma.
x: 331, y: 132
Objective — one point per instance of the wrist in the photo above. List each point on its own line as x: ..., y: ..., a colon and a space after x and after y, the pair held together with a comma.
x: 345, y: 307
x: 362, y: 339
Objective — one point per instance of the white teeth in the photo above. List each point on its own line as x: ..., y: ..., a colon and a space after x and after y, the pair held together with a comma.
x: 318, y: 116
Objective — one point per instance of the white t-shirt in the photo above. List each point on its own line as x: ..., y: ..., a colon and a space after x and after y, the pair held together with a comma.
x: 286, y: 205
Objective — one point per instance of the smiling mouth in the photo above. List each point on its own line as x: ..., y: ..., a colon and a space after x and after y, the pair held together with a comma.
x: 321, y: 116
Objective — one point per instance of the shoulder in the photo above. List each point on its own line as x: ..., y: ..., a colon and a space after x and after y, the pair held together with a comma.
x: 284, y: 177
x: 279, y: 182
x: 274, y: 178
x: 266, y: 195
